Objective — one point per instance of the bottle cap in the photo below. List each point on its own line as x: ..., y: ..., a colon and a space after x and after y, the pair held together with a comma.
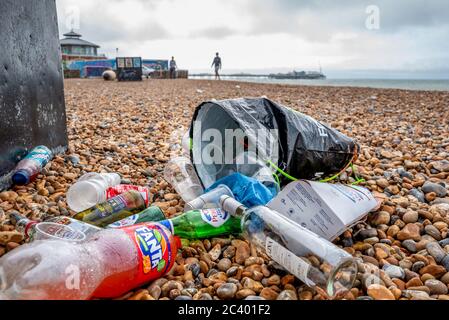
x: 232, y: 206
x: 20, y: 177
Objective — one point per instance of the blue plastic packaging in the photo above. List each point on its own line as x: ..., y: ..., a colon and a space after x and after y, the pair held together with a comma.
x: 248, y: 191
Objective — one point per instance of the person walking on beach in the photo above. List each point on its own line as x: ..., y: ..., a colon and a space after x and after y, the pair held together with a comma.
x: 173, y: 68
x: 217, y: 64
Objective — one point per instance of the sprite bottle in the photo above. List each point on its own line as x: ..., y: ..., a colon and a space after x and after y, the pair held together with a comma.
x: 114, y: 209
x: 201, y: 224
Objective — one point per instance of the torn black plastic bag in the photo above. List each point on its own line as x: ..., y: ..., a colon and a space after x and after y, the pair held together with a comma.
x: 303, y: 148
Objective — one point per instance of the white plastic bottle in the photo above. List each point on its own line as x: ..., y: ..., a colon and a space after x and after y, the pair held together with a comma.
x: 90, y: 190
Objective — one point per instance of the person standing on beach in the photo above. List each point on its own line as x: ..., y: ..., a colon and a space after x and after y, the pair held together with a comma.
x: 217, y: 64
x: 173, y: 68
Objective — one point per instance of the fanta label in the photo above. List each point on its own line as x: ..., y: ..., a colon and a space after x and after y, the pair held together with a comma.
x: 215, y: 217
x: 156, y: 250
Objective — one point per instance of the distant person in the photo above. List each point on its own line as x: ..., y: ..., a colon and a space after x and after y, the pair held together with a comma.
x: 217, y: 64
x: 173, y: 68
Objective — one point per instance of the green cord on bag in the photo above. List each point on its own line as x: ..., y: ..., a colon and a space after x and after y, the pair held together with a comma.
x: 358, y: 179
x: 331, y: 178
x: 278, y: 182
x: 286, y: 175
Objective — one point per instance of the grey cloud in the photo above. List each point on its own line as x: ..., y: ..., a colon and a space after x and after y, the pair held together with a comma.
x: 214, y: 33
x: 318, y: 20
x: 104, y: 25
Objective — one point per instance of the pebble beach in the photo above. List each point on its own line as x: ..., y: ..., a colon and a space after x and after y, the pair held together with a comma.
x: 402, y: 249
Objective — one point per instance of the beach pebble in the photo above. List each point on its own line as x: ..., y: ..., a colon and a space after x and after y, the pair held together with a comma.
x: 435, y: 250
x: 394, y: 271
x: 441, y: 166
x: 438, y: 189
x: 287, y: 295
x: 382, y: 217
x: 410, y: 217
x: 436, y: 287
x: 434, y: 270
x: 10, y: 236
x: 224, y: 264
x: 410, y: 245
x: 215, y: 252
x: 418, y: 195
x: 227, y: 291
x: 268, y: 294
x: 433, y: 232
x: 242, y: 294
x: 254, y: 298
x: 242, y: 251
x: 379, y: 292
x: 409, y: 232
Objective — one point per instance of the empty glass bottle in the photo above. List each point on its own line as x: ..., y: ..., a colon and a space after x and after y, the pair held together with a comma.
x: 312, y: 259
x: 114, y: 209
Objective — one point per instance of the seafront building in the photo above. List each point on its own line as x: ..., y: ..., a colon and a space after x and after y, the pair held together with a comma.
x: 75, y: 48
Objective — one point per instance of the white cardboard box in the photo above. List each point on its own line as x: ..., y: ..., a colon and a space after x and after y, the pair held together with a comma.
x: 326, y: 209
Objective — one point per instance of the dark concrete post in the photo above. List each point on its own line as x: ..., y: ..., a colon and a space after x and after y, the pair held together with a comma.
x: 32, y: 109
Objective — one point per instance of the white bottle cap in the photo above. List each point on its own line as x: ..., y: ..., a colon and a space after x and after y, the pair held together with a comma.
x: 232, y: 206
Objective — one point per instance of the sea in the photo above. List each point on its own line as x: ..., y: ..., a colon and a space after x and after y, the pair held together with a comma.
x: 406, y: 84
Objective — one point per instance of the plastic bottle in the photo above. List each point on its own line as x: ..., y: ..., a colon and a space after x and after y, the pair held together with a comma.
x: 108, y: 265
x: 114, y: 209
x: 248, y: 164
x: 201, y: 224
x: 90, y: 189
x: 186, y: 143
x: 30, y: 166
x: 210, y: 199
x: 312, y: 259
x: 179, y: 172
x: 151, y: 214
x: 29, y: 227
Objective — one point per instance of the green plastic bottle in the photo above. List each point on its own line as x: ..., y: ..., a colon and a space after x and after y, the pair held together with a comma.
x: 202, y: 224
x: 151, y: 214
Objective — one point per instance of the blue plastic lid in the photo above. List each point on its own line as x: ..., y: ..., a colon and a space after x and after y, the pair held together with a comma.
x: 20, y: 177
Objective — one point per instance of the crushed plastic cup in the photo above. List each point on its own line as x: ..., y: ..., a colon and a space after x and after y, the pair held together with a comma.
x: 179, y: 172
x: 210, y: 199
x: 56, y: 231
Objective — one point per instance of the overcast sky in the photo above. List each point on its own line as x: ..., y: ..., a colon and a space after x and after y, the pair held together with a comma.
x: 374, y: 38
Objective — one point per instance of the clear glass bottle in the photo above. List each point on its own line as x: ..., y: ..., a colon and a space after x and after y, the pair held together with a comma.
x: 313, y: 260
x: 210, y: 199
